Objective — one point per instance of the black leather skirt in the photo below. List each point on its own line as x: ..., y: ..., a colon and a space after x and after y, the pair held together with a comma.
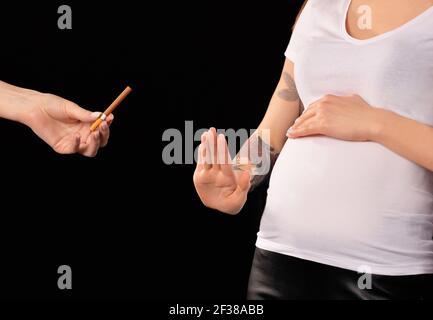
x: 282, y: 277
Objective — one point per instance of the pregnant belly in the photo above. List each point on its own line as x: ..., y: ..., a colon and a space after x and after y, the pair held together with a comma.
x: 326, y: 193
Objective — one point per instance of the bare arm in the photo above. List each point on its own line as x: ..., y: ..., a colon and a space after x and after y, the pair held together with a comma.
x: 352, y: 118
x: 60, y: 123
x: 284, y: 107
x: 15, y: 102
x: 406, y: 137
x: 221, y: 187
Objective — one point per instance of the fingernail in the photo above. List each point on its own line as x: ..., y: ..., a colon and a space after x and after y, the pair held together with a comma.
x: 95, y: 115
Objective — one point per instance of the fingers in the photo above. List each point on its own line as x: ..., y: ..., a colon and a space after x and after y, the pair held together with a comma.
x: 74, y: 112
x: 201, y: 161
x: 301, y: 120
x: 306, y: 124
x: 308, y: 128
x: 76, y: 143
x: 213, y: 152
x: 110, y: 119
x: 68, y: 145
x: 207, y: 152
x: 91, y: 146
x: 105, y: 133
x: 213, y: 147
x: 224, y: 155
x: 104, y: 129
x: 308, y: 114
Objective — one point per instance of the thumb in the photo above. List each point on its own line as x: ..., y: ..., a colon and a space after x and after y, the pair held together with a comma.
x: 77, y: 113
x: 244, y: 181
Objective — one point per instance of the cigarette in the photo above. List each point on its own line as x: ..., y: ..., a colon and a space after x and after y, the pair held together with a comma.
x: 95, y: 125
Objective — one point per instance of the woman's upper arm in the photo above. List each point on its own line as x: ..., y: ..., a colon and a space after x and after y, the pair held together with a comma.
x: 284, y: 108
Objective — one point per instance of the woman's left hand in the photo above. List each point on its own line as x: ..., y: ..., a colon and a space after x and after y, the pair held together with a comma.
x: 340, y: 117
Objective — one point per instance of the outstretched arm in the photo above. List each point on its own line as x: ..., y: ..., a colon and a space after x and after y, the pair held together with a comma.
x: 60, y: 123
x: 217, y: 184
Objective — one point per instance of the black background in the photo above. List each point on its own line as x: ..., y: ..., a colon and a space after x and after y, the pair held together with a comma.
x: 129, y: 225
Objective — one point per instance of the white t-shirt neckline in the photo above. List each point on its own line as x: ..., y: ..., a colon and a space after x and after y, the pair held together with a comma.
x: 381, y: 36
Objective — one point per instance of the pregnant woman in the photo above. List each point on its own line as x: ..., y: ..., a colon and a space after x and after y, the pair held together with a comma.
x: 352, y: 189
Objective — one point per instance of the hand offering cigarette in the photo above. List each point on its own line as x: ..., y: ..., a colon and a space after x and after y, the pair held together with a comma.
x: 110, y: 109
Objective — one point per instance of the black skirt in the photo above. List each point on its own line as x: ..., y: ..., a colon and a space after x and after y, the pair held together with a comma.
x: 282, y: 277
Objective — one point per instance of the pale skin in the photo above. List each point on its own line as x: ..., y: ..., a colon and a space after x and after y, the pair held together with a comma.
x: 218, y: 185
x: 347, y: 118
x: 62, y: 124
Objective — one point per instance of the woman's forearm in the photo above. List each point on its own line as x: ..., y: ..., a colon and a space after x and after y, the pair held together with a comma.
x: 284, y: 107
x: 406, y: 137
x: 351, y: 118
x: 15, y: 102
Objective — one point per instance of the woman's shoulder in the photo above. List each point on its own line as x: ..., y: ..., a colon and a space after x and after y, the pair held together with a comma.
x: 323, y: 10
x: 323, y: 6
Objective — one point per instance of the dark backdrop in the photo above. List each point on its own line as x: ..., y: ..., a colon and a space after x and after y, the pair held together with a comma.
x: 127, y: 224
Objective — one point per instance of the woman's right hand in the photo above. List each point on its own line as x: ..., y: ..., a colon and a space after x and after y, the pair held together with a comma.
x: 218, y: 185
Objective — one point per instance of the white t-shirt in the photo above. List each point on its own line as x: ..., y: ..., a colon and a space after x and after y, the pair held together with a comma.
x: 355, y: 204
